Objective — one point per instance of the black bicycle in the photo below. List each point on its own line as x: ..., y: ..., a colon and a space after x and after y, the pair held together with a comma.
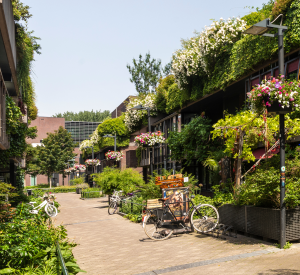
x: 160, y: 223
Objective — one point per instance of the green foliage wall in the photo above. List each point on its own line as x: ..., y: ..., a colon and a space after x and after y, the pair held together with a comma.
x: 193, y: 142
x: 113, y: 126
x: 237, y: 59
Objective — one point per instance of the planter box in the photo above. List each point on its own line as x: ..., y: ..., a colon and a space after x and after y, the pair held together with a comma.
x: 264, y: 222
x: 275, y: 108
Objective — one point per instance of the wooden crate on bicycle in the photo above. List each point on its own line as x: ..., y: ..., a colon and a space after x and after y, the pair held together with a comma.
x: 154, y: 203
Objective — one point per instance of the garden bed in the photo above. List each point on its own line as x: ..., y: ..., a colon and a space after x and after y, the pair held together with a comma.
x: 259, y: 221
x: 86, y: 194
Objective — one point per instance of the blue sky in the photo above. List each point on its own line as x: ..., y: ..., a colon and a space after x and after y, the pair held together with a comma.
x: 86, y: 45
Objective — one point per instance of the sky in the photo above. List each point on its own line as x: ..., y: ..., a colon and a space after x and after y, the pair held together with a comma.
x: 86, y: 45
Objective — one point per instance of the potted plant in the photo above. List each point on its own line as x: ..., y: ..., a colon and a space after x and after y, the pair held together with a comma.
x: 149, y: 139
x: 114, y: 155
x: 80, y: 187
x: 79, y: 182
x: 277, y: 95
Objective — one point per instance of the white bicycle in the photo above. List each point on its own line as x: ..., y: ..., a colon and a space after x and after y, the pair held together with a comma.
x: 50, y: 209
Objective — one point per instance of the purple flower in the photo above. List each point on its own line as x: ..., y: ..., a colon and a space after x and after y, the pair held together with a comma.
x: 277, y: 85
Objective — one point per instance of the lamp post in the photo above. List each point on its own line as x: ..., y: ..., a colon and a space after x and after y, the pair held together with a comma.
x: 262, y: 28
x: 115, y: 140
x: 73, y: 162
x: 141, y: 107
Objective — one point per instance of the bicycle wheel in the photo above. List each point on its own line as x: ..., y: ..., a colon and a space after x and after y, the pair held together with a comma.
x: 113, y: 208
x: 154, y: 230
x: 204, y: 218
x: 51, y: 210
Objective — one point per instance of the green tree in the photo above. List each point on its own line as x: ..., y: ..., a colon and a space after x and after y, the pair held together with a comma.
x: 92, y: 116
x: 57, y: 149
x: 145, y: 73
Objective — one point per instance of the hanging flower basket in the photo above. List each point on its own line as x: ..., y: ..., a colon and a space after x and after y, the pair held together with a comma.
x: 92, y: 162
x: 114, y: 155
x: 68, y: 170
x: 149, y: 139
x: 277, y: 95
x: 80, y: 167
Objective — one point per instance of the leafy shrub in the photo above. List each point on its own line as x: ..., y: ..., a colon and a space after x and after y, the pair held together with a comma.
x: 89, y: 193
x: 43, y: 185
x: 37, y: 192
x: 78, y: 180
x: 112, y: 179
x: 262, y: 187
x: 133, y: 211
x: 28, y: 241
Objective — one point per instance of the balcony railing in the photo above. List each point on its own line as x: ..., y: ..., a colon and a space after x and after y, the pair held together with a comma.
x: 4, y: 141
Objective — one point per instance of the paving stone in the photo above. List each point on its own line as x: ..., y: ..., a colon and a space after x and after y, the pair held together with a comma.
x: 111, y: 244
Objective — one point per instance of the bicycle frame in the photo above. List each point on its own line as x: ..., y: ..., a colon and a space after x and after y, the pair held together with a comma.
x: 166, y: 208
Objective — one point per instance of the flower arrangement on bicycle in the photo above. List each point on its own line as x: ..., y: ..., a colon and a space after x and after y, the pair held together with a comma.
x: 149, y: 139
x: 92, y: 162
x: 283, y: 93
x: 114, y: 155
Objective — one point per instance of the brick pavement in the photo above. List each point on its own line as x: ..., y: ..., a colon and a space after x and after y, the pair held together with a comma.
x: 110, y: 244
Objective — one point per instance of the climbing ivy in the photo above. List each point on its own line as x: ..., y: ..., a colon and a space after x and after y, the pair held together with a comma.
x: 193, y: 142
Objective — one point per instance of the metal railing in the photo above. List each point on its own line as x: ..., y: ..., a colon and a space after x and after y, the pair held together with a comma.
x: 64, y: 270
x: 90, y: 194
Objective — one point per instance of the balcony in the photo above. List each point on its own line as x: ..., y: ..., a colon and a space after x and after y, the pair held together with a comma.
x: 8, y: 55
x: 4, y: 140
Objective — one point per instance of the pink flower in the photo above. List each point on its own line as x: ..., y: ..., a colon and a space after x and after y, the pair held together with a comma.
x: 280, y: 88
x: 280, y: 93
x: 292, y: 99
x: 259, y: 95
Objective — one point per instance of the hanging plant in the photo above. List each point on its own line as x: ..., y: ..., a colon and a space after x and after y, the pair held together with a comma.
x: 276, y: 92
x: 114, y: 155
x: 92, y: 162
x: 149, y: 139
x: 80, y: 167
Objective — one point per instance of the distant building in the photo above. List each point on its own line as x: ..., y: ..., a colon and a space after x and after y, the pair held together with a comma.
x: 121, y: 108
x: 44, y: 125
x: 81, y: 130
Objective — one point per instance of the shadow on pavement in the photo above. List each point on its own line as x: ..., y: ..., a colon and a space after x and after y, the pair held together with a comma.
x: 281, y: 272
x: 239, y: 240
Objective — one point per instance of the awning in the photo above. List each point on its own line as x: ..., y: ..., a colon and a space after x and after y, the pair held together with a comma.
x: 258, y: 153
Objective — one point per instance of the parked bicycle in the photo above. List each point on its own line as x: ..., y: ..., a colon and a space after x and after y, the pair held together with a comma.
x: 160, y: 223
x: 48, y: 203
x: 115, y: 201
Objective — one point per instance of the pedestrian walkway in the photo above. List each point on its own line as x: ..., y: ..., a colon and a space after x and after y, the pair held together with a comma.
x: 110, y: 244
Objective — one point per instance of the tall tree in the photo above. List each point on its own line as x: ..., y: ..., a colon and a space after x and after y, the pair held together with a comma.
x: 57, y: 149
x: 93, y: 116
x: 145, y: 73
